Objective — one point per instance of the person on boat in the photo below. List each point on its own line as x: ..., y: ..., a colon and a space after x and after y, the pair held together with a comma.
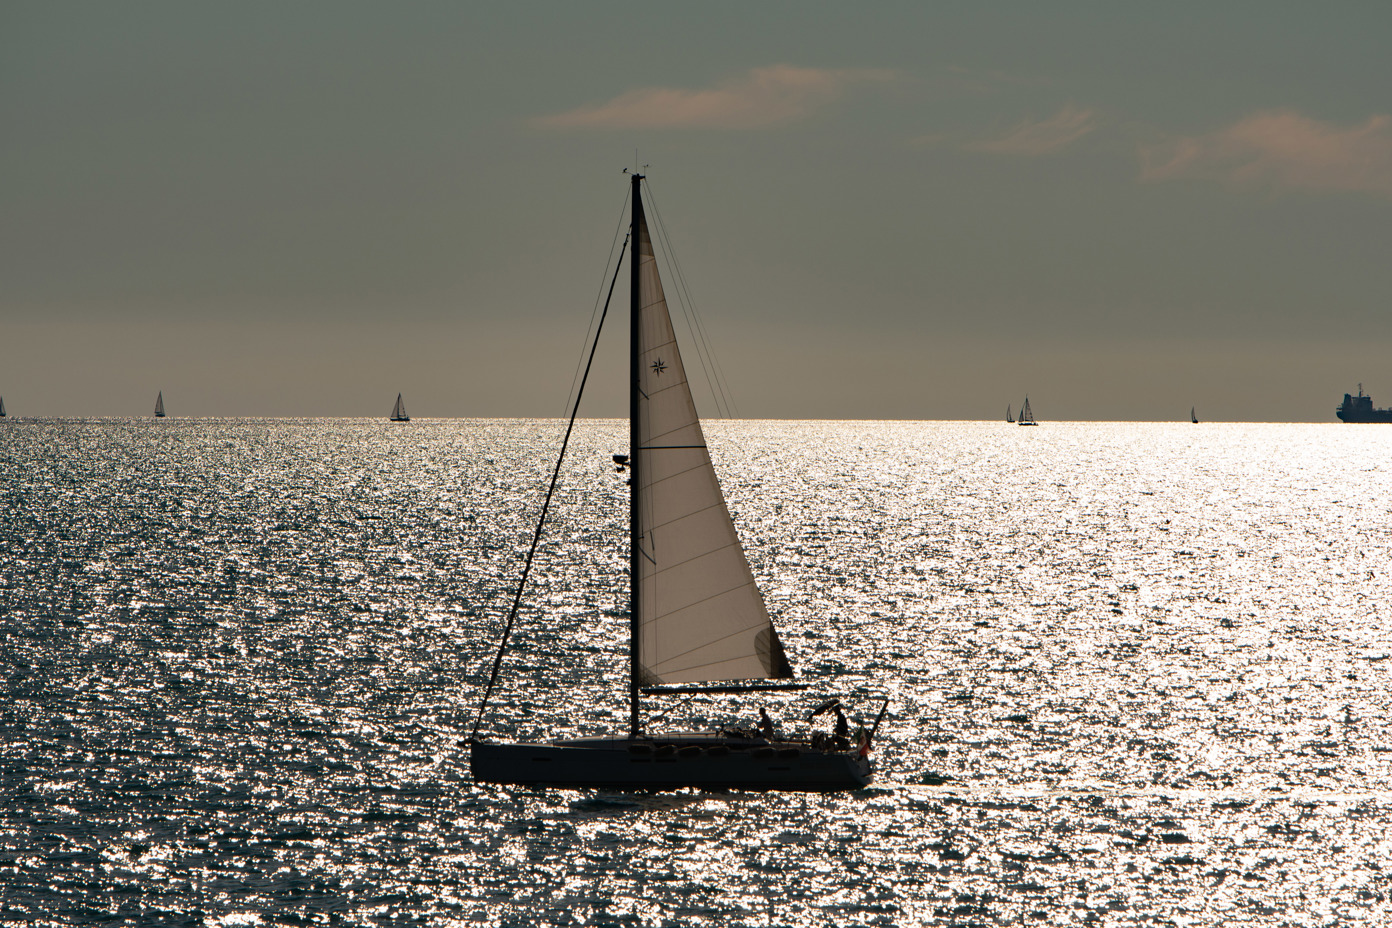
x: 766, y: 726
x: 842, y: 737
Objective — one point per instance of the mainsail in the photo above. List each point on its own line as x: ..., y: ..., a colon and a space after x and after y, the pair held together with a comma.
x: 699, y: 617
x: 399, y: 411
x: 159, y: 404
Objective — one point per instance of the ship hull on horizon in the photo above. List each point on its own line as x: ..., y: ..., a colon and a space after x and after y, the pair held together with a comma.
x: 1360, y: 409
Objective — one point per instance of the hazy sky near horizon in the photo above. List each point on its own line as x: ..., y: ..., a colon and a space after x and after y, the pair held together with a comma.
x: 885, y: 210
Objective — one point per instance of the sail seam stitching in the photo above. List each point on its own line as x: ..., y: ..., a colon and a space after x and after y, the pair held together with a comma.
x: 699, y: 465
x: 683, y: 515
x: 693, y: 604
x: 731, y: 660
x: 661, y: 570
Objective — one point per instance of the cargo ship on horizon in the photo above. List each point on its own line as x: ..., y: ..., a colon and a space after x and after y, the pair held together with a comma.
x: 1360, y: 409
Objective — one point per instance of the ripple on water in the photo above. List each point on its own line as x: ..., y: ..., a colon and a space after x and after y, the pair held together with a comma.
x: 1138, y: 672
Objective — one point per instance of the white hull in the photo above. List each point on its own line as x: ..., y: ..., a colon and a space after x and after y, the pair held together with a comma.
x: 681, y: 761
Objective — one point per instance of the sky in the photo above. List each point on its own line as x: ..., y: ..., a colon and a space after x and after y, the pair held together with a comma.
x: 891, y: 210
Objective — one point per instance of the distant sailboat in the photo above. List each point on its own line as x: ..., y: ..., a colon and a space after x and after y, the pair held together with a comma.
x: 159, y: 406
x: 2, y: 406
x: 1008, y: 416
x: 1193, y: 418
x: 696, y: 617
x: 399, y: 411
x: 1026, y: 416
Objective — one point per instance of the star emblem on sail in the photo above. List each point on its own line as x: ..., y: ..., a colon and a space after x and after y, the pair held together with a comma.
x: 700, y: 615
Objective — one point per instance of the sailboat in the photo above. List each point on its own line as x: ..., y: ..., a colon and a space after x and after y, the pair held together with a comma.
x: 697, y: 621
x: 1193, y: 418
x: 1008, y: 416
x: 2, y: 406
x: 159, y: 406
x: 399, y: 411
x: 1026, y: 416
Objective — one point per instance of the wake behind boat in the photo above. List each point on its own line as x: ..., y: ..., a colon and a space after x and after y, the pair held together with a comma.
x: 696, y: 616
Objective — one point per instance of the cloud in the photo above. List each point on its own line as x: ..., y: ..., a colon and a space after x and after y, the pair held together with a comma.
x: 1033, y: 138
x: 1281, y: 149
x: 764, y: 97
x: 980, y: 81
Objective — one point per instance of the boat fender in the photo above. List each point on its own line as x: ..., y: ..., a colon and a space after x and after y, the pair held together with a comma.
x: 640, y: 748
x: 690, y: 750
x: 718, y: 750
x: 666, y: 750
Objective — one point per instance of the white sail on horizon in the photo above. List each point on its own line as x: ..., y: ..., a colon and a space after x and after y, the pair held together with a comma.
x: 700, y: 616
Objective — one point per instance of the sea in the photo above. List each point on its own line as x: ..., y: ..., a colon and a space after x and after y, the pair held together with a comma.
x: 1136, y: 674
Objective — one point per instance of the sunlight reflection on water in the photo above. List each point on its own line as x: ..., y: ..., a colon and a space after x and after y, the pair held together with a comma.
x: 1139, y: 675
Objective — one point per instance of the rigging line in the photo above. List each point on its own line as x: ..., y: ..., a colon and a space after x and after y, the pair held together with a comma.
x: 654, y: 720
x: 550, y: 491
x: 593, y: 312
x: 722, y: 383
x: 701, y: 342
x: 684, y: 300
x: 720, y: 377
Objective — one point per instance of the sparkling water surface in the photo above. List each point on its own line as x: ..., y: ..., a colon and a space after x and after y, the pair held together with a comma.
x: 1138, y: 675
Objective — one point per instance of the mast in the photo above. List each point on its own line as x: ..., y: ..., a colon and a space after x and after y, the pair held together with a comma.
x: 634, y: 393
